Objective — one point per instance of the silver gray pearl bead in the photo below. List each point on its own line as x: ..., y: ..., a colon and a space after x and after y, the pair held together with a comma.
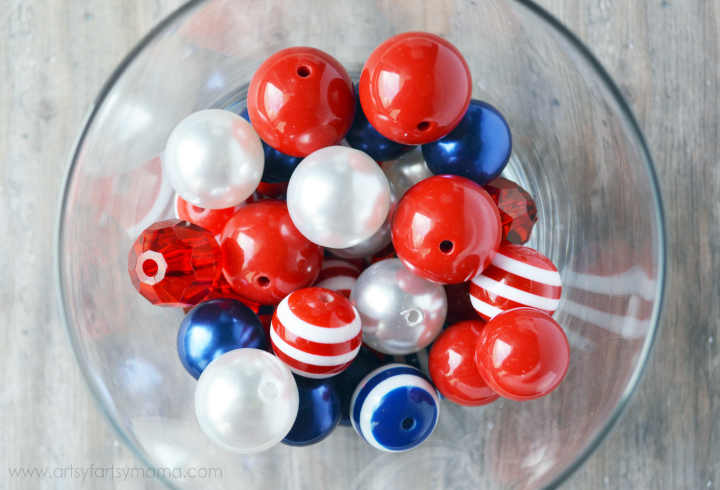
x: 407, y: 171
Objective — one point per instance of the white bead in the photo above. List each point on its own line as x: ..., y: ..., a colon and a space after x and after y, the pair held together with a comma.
x: 246, y: 401
x: 214, y: 159
x: 338, y: 197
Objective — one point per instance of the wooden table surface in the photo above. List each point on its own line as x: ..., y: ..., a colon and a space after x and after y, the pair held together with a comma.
x: 54, y: 56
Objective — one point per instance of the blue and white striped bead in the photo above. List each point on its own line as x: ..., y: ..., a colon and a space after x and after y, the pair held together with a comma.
x: 395, y: 408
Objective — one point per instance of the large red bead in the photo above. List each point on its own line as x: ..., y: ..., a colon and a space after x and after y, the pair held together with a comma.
x: 452, y: 365
x: 415, y: 88
x: 265, y: 256
x: 522, y: 354
x: 446, y: 229
x: 518, y: 212
x: 174, y: 263
x: 300, y: 100
x: 213, y: 220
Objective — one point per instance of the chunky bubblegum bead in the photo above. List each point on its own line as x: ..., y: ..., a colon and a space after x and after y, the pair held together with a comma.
x: 223, y: 289
x: 316, y: 332
x: 213, y: 220
x: 347, y: 381
x: 415, y: 88
x: 522, y: 354
x: 337, y: 275
x: 479, y: 147
x: 318, y: 414
x: 453, y: 369
x: 265, y: 256
x: 272, y: 191
x: 278, y: 166
x: 446, y: 229
x: 395, y: 408
x: 517, y: 277
x: 518, y: 212
x: 174, y: 263
x: 300, y: 100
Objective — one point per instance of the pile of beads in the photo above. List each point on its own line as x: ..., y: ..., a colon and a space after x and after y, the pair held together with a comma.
x: 335, y: 273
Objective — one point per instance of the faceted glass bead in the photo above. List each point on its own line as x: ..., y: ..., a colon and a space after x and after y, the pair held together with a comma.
x: 517, y: 210
x: 175, y: 263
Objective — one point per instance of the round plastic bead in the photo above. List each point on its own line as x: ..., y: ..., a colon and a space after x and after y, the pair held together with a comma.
x: 406, y: 171
x: 453, y: 369
x: 337, y: 275
x: 316, y: 332
x: 446, y: 229
x: 338, y: 197
x: 271, y: 191
x: 246, y: 401
x: 318, y: 414
x: 478, y: 148
x: 213, y: 220
x: 278, y: 166
x: 395, y: 408
x: 517, y: 277
x: 362, y: 136
x: 347, y: 381
x: 300, y: 100
x: 401, y: 313
x: 415, y: 87
x: 215, y: 327
x: 522, y: 354
x: 214, y: 159
x: 518, y: 212
x: 265, y: 256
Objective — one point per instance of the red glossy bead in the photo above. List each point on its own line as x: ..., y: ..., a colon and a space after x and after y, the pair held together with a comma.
x: 265, y: 256
x: 213, y: 220
x: 223, y: 289
x: 446, y: 229
x: 518, y: 212
x: 460, y: 306
x: 174, y: 263
x: 267, y: 190
x: 453, y: 369
x: 415, y: 88
x: 522, y: 354
x: 300, y: 100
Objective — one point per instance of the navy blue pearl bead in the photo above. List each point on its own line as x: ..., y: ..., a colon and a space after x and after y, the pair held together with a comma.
x: 348, y: 380
x: 318, y: 413
x: 395, y: 408
x: 478, y: 148
x: 279, y: 167
x: 362, y: 136
x: 215, y: 327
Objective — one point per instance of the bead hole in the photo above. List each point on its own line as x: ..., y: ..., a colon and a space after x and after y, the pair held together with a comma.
x: 446, y: 246
x: 150, y: 268
x: 196, y: 209
x: 413, y: 317
x: 326, y: 298
x: 408, y: 424
x: 263, y: 282
x: 304, y: 71
x: 423, y: 126
x: 268, y: 391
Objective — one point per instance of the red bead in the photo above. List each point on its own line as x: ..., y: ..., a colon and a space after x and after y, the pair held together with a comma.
x: 518, y: 212
x: 222, y: 289
x: 266, y: 257
x: 522, y: 354
x: 174, y: 263
x: 337, y: 275
x: 460, y: 307
x: 300, y: 100
x: 415, y: 88
x: 453, y: 369
x: 446, y: 229
x: 213, y: 220
x: 267, y: 190
x: 517, y: 277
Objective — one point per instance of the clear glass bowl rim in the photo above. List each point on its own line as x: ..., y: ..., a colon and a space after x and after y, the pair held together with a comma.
x: 564, y: 33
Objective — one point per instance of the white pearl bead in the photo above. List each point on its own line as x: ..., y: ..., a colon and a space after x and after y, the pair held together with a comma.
x: 214, y: 159
x: 246, y: 401
x: 338, y: 197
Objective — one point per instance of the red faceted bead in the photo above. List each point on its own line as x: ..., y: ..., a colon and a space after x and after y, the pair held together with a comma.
x: 460, y: 306
x: 174, y: 263
x: 213, y: 220
x: 300, y: 100
x: 453, y: 369
x: 415, y: 88
x: 265, y: 256
x: 517, y: 210
x: 446, y: 229
x: 522, y: 354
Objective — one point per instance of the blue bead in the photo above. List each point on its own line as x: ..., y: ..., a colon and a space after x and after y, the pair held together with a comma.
x: 348, y: 380
x: 395, y: 408
x: 362, y: 136
x: 215, y: 327
x: 478, y: 148
x: 278, y: 166
x: 318, y: 413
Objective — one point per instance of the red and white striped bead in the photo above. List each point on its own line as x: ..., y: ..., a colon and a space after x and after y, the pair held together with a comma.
x: 517, y: 277
x: 316, y: 332
x: 337, y: 275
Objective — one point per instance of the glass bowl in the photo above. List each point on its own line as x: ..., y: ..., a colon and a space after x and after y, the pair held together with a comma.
x: 577, y: 150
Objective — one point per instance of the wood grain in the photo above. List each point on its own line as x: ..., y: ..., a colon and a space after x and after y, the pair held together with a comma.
x: 55, y: 55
